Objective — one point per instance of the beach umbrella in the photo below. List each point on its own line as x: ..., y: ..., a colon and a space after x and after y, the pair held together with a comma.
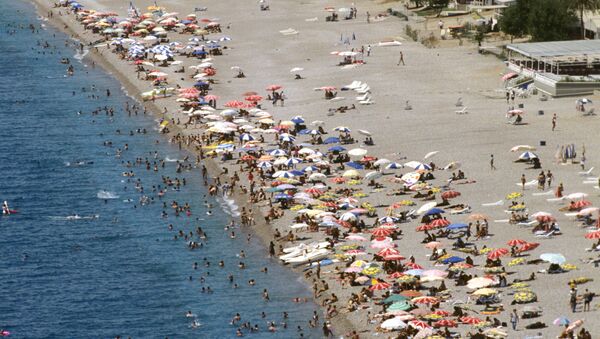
x: 485, y: 291
x: 277, y: 153
x: 450, y: 194
x: 495, y: 333
x: 561, y: 321
x: 343, y: 129
x: 355, y: 237
x: 477, y: 216
x: 310, y: 168
x: 434, y: 244
x: 357, y: 152
x: 453, y: 260
x: 394, y: 257
x: 282, y: 196
x: 479, y: 282
x: 283, y: 174
x: 399, y: 306
x: 246, y: 137
x: 292, y: 161
x: 553, y: 258
x: 382, y: 232
x: 541, y: 213
x: 545, y: 218
x: 516, y: 242
x: 296, y: 69
x: 434, y: 211
x: 394, y: 298
x: 520, y: 148
x: 497, y: 253
x: 351, y: 174
x: 425, y: 300
x: 438, y: 223
x: 456, y: 226
x: 418, y: 324
x: 593, y: 235
x: 387, y: 251
x: 379, y: 286
x: 509, y: 76
x: 334, y: 140
x: 424, y: 228
x: 445, y: 323
x: 522, y: 297
x: 373, y: 175
x: 394, y: 165
x: 317, y: 177
x: 273, y: 87
x: 527, y: 156
x: 587, y: 211
x: 470, y: 320
x: 416, y: 165
x: 528, y: 247
x: 381, y: 162
x: 575, y: 324
x: 393, y: 324
x: 434, y: 273
x: 413, y: 266
x: 354, y: 165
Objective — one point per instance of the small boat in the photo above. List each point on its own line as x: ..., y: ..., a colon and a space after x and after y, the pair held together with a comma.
x: 314, y: 255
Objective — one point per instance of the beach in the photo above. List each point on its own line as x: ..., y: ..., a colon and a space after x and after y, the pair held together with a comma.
x: 431, y: 80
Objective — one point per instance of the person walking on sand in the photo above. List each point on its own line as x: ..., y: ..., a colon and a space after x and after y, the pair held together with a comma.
x: 368, y: 17
x: 514, y: 319
x: 549, y: 178
x: 492, y: 167
x: 368, y: 50
x: 523, y: 180
x: 559, y: 191
x: 401, y: 60
x: 554, y: 122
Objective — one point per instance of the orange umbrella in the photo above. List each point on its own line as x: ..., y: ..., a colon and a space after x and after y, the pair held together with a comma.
x: 477, y: 216
x: 379, y: 286
x: 445, y: 323
x: 528, y: 247
x: 450, y: 194
x: 516, y: 242
x: 438, y: 223
x: 388, y: 251
x: 382, y: 232
x: 425, y: 300
x: 411, y: 293
x: 413, y: 266
x: 470, y: 320
x: 497, y: 253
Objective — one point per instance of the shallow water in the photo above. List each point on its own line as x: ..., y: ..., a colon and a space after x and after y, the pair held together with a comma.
x: 82, y: 258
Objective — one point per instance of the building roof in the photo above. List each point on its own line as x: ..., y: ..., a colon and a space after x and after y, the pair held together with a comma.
x: 557, y: 48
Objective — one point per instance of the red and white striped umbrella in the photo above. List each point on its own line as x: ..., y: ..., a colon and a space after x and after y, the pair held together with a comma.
x: 516, y: 242
x: 497, y: 253
x: 396, y: 275
x: 450, y: 194
x: 442, y: 313
x: 418, y: 324
x: 437, y: 223
x: 425, y: 300
x: 314, y: 191
x: 445, y: 323
x: 273, y: 87
x: 593, y: 235
x: 253, y: 98
x: 545, y: 218
x: 234, y: 104
x: 413, y: 266
x: 388, y: 251
x: 528, y: 247
x: 424, y: 228
x: 380, y: 286
x: 381, y: 232
x: 393, y: 257
x: 470, y: 320
x: 580, y: 204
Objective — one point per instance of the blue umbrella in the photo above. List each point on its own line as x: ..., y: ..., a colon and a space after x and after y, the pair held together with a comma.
x: 298, y: 120
x: 297, y: 173
x: 304, y: 131
x: 435, y: 211
x: 199, y: 52
x: 561, y: 321
x: 453, y: 260
x: 336, y: 149
x: 201, y: 83
x: 355, y: 165
x: 282, y: 196
x: 310, y: 169
x: 331, y: 140
x: 284, y: 187
x: 456, y: 226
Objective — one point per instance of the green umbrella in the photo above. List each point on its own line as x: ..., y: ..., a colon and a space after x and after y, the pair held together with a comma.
x: 394, y: 298
x: 399, y: 306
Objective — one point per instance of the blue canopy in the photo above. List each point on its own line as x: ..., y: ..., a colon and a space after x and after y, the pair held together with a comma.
x: 297, y: 173
x: 435, y: 211
x: 336, y: 149
x: 355, y: 165
x: 298, y: 120
x: 456, y: 226
x: 199, y: 52
x: 282, y: 196
x: 453, y: 260
x: 331, y: 140
x: 201, y: 83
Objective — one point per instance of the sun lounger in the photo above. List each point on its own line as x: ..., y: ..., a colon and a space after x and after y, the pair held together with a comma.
x: 363, y: 97
x: 462, y: 111
x: 586, y: 173
x: 528, y: 223
x: 464, y: 210
x: 368, y: 101
x: 363, y: 89
x: 542, y: 234
x: 353, y: 85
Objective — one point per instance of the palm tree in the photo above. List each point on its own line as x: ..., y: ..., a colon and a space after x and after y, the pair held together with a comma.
x: 582, y: 6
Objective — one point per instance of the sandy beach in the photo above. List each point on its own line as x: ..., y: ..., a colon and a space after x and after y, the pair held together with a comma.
x: 432, y: 80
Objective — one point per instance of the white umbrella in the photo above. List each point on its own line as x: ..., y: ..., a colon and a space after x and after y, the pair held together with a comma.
x: 357, y: 152
x: 317, y: 177
x: 519, y: 148
x: 578, y: 195
x: 393, y: 324
x: 381, y: 162
x: 479, y: 282
x: 364, y: 132
x: 426, y: 207
x: 588, y: 211
x: 348, y: 216
x: 296, y: 69
x: 373, y: 175
x: 430, y: 154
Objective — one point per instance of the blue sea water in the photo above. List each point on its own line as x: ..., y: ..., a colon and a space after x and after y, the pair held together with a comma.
x: 121, y: 273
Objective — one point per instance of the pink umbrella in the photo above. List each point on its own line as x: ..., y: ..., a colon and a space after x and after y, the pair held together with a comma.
x: 353, y: 270
x: 210, y: 97
x: 382, y: 244
x: 355, y: 237
x: 435, y: 273
x: 509, y: 76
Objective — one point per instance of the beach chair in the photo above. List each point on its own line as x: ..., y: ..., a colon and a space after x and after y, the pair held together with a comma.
x: 462, y: 111
x: 542, y: 234
x: 363, y: 89
x: 459, y: 102
x: 353, y: 85
x: 587, y: 173
x: 527, y: 223
x: 363, y: 97
x: 368, y: 101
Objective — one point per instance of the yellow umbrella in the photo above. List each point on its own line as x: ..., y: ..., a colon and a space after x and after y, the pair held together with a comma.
x: 351, y: 174
x: 485, y: 291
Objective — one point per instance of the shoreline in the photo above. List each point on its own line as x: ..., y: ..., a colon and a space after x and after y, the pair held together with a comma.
x: 260, y: 228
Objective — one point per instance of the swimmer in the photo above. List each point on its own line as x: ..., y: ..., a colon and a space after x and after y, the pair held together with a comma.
x: 189, y: 314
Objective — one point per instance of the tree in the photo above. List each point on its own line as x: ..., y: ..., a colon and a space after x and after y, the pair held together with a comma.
x: 550, y: 20
x: 439, y: 4
x: 514, y: 19
x: 581, y: 6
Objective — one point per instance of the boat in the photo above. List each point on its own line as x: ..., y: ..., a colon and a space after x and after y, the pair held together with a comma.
x: 306, y: 257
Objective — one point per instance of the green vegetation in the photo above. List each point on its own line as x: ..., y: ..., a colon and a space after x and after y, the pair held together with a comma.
x: 544, y: 20
x: 411, y: 33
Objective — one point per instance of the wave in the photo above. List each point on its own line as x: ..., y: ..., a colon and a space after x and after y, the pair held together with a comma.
x: 79, y: 56
x: 229, y: 207
x: 74, y: 217
x: 167, y: 159
x: 106, y: 195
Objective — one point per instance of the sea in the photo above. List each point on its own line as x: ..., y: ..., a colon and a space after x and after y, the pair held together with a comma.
x: 83, y: 257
